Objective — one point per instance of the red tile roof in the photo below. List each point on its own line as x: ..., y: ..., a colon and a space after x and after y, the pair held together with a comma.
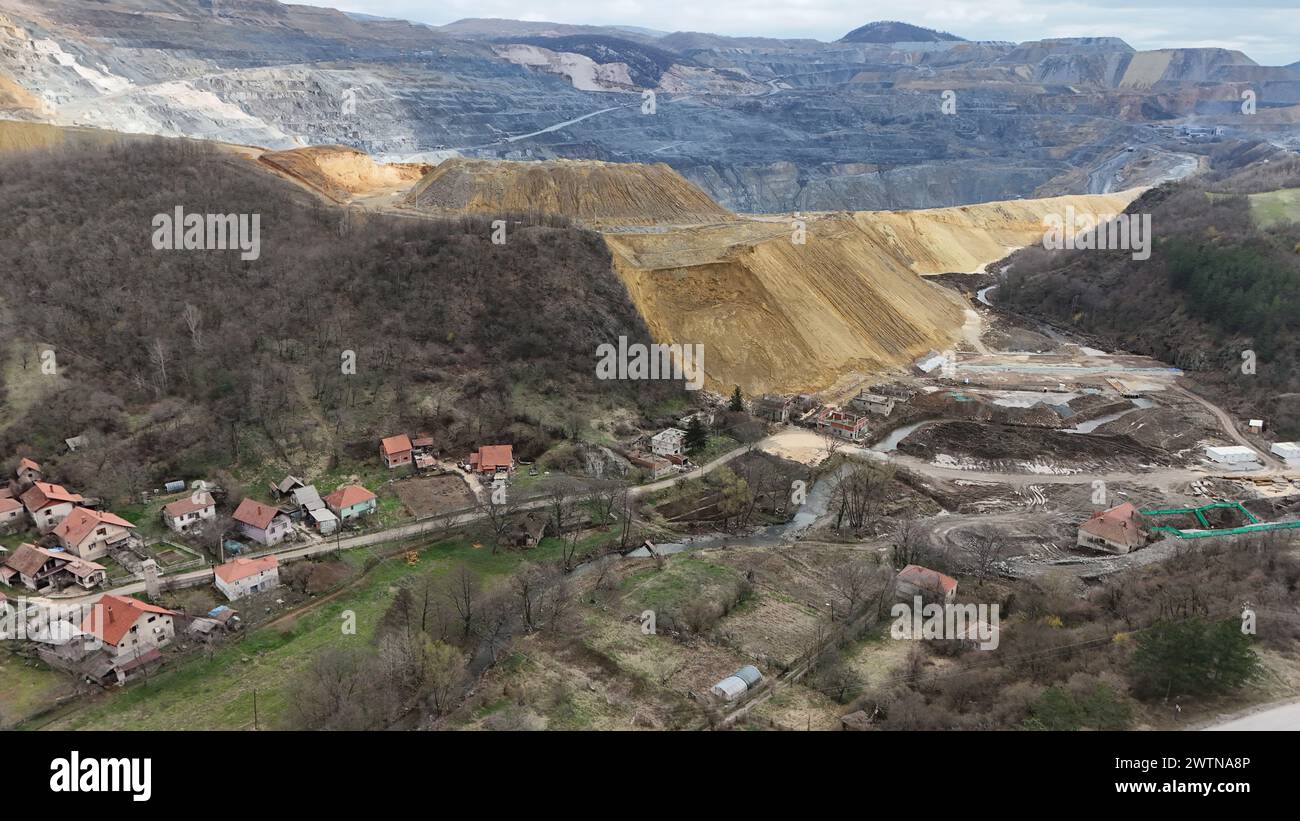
x: 491, y: 457
x: 112, y: 616
x: 926, y: 579
x: 25, y: 464
x: 347, y: 496
x: 191, y: 503
x: 393, y: 445
x: 81, y: 521
x: 233, y: 571
x: 1121, y: 524
x: 8, y: 504
x: 254, y: 513
x: 44, y: 494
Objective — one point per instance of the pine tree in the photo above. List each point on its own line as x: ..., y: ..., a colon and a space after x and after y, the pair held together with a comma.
x: 737, y: 401
x: 696, y: 437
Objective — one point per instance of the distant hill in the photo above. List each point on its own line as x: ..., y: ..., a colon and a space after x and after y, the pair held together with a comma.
x: 891, y: 31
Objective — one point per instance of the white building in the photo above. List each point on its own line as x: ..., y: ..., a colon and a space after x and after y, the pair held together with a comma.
x: 193, y: 510
x: 244, y: 577
x: 1234, y: 455
x: 668, y: 442
x: 1289, y: 451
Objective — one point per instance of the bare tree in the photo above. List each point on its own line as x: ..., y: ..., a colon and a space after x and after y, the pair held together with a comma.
x: 193, y: 317
x: 911, y: 544
x: 463, y: 591
x: 498, y: 515
x: 986, y: 548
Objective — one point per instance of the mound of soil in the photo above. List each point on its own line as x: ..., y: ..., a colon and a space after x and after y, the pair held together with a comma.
x: 1007, y: 442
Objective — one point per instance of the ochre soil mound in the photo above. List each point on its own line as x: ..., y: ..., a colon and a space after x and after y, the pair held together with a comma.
x: 778, y: 316
x: 774, y: 315
x: 341, y: 172
x: 587, y: 191
x: 966, y: 238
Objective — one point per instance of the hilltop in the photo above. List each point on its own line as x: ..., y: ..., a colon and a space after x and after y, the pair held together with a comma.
x: 594, y: 193
x: 892, y: 31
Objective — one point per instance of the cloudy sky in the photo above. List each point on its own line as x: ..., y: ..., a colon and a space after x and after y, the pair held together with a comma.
x: 1267, y: 30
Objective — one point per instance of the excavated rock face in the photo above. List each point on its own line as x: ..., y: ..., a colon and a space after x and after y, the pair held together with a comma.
x: 759, y: 124
x: 593, y: 193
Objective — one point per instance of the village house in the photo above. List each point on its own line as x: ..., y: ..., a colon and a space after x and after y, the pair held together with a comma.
x: 351, y: 502
x: 192, y: 511
x: 245, y: 577
x: 529, y: 530
x: 873, y: 403
x: 48, y: 504
x: 28, y: 473
x: 92, y: 533
x: 669, y: 442
x: 843, y: 424
x: 1118, y: 530
x: 396, y: 450
x: 774, y: 408
x: 492, y: 459
x: 39, y: 569
x: 656, y: 467
x: 11, y: 515
x: 132, y: 632
x: 915, y: 580
x: 262, y: 523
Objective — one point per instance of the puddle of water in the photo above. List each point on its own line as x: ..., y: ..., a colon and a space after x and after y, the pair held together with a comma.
x: 1092, y: 424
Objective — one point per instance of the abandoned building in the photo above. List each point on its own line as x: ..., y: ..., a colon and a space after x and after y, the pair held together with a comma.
x: 1117, y: 530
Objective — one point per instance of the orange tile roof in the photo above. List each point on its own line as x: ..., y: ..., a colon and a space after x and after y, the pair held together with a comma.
x: 1121, y: 525
x: 112, y: 616
x: 7, y: 504
x: 189, y: 504
x: 253, y: 512
x: 347, y: 496
x: 237, y: 569
x: 490, y: 457
x: 81, y: 521
x: 25, y: 463
x: 43, y: 494
x: 394, y: 445
x: 926, y: 578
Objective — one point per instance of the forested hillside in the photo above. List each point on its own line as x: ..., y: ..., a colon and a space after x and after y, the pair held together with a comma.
x: 178, y: 361
x: 1217, y: 286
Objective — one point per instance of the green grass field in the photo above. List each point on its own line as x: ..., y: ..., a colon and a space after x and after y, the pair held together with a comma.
x: 1273, y: 207
x: 25, y: 689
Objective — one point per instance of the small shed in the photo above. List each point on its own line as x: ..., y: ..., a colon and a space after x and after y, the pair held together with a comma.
x: 325, y: 521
